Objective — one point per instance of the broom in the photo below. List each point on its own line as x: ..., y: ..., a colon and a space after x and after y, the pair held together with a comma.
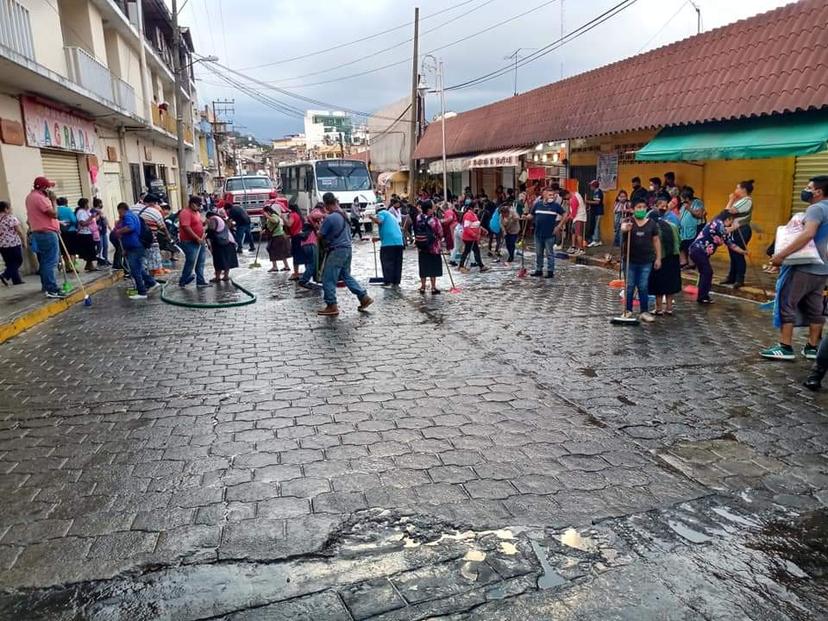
x: 522, y: 243
x: 376, y: 278
x: 623, y: 320
x: 454, y: 288
x: 87, y: 299
x: 256, y: 263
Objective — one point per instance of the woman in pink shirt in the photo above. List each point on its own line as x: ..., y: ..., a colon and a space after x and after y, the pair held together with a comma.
x: 471, y: 239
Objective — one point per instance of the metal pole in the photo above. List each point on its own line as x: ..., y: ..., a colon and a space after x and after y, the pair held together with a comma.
x: 412, y: 128
x: 443, y: 128
x: 516, y: 62
x: 179, y: 113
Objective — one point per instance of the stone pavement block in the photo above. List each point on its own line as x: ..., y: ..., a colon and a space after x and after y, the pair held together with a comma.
x: 404, y: 478
x: 35, y: 532
x: 196, y: 497
x: 101, y: 523
x: 53, y: 562
x: 279, y: 508
x: 370, y: 598
x: 190, y: 543
x: 123, y: 545
x: 162, y: 519
x: 489, y: 488
x: 451, y: 474
x: 355, y: 481
x: 339, y: 502
x: 443, y: 580
x: 306, y: 487
x: 390, y: 497
x: 251, y: 492
x: 324, y: 606
x: 258, y: 538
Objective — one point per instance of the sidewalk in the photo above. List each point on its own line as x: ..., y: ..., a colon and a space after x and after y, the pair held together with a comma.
x: 759, y: 286
x: 24, y: 306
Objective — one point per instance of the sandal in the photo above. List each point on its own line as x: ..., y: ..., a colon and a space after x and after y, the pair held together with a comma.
x: 658, y: 312
x: 285, y: 269
x: 435, y: 292
x: 422, y: 291
x: 669, y: 312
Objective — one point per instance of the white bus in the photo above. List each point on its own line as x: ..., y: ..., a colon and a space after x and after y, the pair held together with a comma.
x: 304, y: 183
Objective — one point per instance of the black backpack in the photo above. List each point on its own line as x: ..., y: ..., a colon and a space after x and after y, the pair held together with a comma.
x: 145, y: 235
x: 423, y: 234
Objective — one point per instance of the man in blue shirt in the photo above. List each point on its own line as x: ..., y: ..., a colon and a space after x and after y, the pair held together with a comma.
x: 548, y: 216
x: 391, y: 249
x: 128, y: 230
x: 336, y: 233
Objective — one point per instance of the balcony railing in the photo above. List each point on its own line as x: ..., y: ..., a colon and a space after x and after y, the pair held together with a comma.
x: 16, y: 28
x: 86, y: 71
x: 124, y: 94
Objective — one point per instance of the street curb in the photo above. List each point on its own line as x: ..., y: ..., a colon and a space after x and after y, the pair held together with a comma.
x: 754, y: 294
x: 38, y: 315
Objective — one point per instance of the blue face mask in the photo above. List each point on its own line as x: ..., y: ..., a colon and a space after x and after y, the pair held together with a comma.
x: 807, y: 196
x: 467, y: 202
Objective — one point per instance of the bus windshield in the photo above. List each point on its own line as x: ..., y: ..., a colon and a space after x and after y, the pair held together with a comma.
x: 342, y: 176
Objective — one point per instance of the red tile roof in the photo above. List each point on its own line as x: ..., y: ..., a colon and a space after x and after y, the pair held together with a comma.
x: 771, y: 63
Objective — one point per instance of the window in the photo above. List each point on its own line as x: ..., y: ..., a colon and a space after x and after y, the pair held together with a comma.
x: 248, y: 183
x: 303, y: 182
x: 342, y: 175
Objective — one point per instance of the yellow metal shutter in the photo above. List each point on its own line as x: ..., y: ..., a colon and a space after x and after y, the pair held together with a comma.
x: 62, y: 168
x: 807, y: 166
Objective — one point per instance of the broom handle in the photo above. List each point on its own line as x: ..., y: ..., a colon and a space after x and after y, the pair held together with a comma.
x: 374, y: 246
x: 627, y: 265
x: 259, y: 245
x: 448, y: 269
x: 72, y: 263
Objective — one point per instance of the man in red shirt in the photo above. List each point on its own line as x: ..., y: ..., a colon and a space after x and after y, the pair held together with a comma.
x: 42, y: 217
x: 191, y: 238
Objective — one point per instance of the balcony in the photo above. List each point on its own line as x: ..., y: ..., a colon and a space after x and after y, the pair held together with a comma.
x: 16, y: 29
x: 86, y: 71
x: 163, y: 120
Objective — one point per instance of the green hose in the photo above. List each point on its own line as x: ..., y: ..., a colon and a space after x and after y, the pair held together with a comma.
x: 251, y: 299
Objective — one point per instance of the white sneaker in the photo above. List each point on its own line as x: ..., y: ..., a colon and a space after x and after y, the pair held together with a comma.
x: 646, y: 317
x: 154, y: 287
x: 580, y: 252
x: 138, y: 296
x: 572, y: 250
x: 557, y: 247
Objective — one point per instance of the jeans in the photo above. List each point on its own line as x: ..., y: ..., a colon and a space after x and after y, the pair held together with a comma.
x: 822, y: 352
x: 468, y: 248
x: 104, y: 248
x: 135, y: 258
x: 391, y: 260
x: 242, y: 233
x: 13, y: 258
x: 511, y: 240
x: 545, y: 245
x: 47, y: 256
x: 702, y: 262
x: 738, y: 263
x: 616, y: 240
x: 638, y: 278
x: 194, y: 257
x: 596, y: 228
x: 338, y: 267
x: 310, y: 263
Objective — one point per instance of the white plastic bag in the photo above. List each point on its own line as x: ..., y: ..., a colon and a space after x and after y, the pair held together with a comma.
x: 808, y: 254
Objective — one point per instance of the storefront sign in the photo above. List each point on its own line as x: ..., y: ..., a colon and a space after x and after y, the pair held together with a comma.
x: 494, y: 161
x: 48, y: 127
x: 608, y: 171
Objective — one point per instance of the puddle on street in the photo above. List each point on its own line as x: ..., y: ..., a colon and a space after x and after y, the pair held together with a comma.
x: 688, y: 533
x: 550, y: 578
x: 572, y: 538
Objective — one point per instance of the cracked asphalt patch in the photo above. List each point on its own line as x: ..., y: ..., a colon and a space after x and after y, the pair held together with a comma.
x: 211, y: 459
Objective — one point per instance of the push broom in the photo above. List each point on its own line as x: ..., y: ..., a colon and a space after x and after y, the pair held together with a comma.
x: 87, y: 299
x: 522, y: 245
x: 256, y: 263
x: 376, y: 278
x: 623, y: 319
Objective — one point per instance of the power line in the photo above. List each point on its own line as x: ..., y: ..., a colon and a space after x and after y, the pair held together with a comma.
x: 355, y: 41
x: 387, y: 49
x: 431, y: 51
x: 581, y: 30
x: 660, y: 30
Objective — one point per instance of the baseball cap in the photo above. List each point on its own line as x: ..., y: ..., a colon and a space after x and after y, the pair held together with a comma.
x: 43, y: 182
x: 328, y: 198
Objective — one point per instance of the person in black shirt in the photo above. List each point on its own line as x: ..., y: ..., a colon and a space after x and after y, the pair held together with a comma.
x: 642, y: 251
x: 638, y: 193
x: 241, y: 229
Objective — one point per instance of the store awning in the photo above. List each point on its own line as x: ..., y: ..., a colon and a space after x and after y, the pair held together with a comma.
x: 777, y: 136
x: 498, y: 158
x: 457, y: 164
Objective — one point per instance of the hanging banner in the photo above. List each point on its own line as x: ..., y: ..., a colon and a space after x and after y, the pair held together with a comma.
x: 608, y: 171
x: 48, y: 127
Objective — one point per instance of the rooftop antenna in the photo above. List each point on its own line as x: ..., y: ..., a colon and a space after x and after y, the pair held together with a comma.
x: 698, y: 16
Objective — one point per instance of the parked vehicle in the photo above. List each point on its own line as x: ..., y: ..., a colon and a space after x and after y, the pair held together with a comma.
x: 253, y: 192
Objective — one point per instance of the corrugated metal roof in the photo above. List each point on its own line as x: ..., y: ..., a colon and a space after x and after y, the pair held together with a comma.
x: 771, y: 63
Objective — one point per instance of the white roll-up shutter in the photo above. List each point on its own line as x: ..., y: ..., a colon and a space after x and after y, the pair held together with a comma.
x: 807, y: 166
x: 62, y: 168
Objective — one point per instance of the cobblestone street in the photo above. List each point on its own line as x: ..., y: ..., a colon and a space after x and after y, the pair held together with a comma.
x: 501, y: 453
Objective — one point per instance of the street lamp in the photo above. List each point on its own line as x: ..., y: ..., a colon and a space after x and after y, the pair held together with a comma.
x: 432, y: 65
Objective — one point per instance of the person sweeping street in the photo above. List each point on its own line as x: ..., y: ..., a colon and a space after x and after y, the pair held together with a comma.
x: 336, y: 232
x: 643, y: 249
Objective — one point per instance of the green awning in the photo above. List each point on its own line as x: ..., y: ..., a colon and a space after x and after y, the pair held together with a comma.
x: 776, y: 136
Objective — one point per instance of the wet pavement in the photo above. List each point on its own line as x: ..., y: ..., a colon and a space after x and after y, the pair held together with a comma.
x: 498, y: 453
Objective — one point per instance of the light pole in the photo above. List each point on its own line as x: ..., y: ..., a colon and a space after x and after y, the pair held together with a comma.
x: 516, y: 56
x: 436, y: 67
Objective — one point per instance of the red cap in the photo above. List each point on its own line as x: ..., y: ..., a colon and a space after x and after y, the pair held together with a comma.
x: 41, y: 183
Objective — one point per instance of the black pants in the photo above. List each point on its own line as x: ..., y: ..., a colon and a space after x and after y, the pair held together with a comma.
x: 738, y: 263
x: 356, y: 227
x: 391, y: 260
x: 468, y: 248
x: 510, y: 246
x: 13, y: 258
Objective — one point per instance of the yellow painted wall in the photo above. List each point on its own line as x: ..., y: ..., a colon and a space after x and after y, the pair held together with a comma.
x: 44, y: 17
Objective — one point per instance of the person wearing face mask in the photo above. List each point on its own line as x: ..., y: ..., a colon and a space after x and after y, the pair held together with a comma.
x: 691, y: 215
x: 800, y: 288
x: 665, y: 282
x: 717, y: 232
x: 639, y: 193
x: 643, y: 247
x: 621, y: 210
x: 740, y: 205
x: 656, y: 192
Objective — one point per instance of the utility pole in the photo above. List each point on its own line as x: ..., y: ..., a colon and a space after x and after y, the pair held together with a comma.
x: 221, y: 106
x: 698, y: 16
x: 341, y: 146
x: 179, y: 113
x: 412, y: 164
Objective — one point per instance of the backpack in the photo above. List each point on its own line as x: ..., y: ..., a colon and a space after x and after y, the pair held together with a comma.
x: 423, y: 234
x: 145, y: 235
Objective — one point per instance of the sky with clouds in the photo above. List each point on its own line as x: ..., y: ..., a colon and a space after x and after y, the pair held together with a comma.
x: 275, y: 42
